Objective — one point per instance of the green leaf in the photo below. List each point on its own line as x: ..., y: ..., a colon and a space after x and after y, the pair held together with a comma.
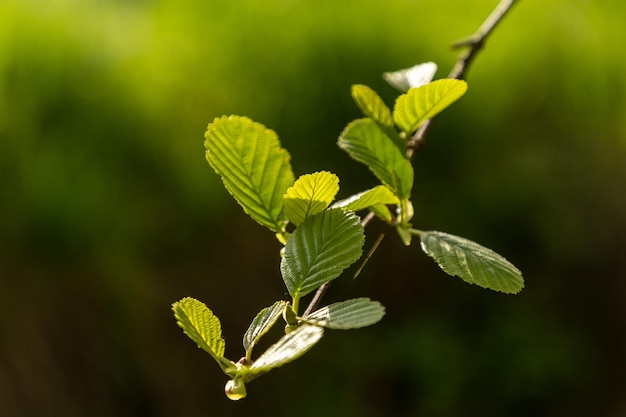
x: 288, y: 348
x: 472, y: 262
x: 320, y: 249
x: 350, y: 314
x: 203, y: 327
x: 382, y: 150
x: 254, y: 168
x: 374, y: 196
x: 310, y: 194
x: 263, y: 321
x: 425, y: 102
x: 371, y: 104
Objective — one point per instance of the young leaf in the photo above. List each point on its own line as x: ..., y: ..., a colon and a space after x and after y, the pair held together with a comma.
x: 425, y: 102
x: 290, y: 347
x: 382, y: 150
x: 201, y: 325
x: 472, y: 262
x: 371, y: 104
x: 350, y: 314
x: 254, y: 168
x: 374, y: 196
x: 309, y: 195
x: 320, y: 249
x: 413, y: 77
x: 261, y: 324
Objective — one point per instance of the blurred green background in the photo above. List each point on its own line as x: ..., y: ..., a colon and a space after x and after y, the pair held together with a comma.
x: 109, y: 212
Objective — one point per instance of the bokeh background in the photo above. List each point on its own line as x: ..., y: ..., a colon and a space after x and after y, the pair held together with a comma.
x: 109, y: 212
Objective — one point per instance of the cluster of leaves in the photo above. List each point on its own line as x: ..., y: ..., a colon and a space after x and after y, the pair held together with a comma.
x: 322, y: 239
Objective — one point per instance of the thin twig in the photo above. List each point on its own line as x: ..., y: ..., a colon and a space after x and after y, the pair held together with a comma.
x: 472, y: 44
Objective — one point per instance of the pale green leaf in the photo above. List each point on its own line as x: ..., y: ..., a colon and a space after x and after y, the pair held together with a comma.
x: 309, y: 195
x: 350, y: 314
x: 374, y: 196
x: 415, y: 76
x: 290, y: 347
x: 425, y: 102
x: 382, y: 150
x: 472, y: 262
x: 320, y: 249
x: 263, y: 321
x: 255, y: 170
x: 201, y: 325
x: 371, y: 104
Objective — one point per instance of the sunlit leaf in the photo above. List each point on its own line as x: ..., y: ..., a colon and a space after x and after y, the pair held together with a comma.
x: 320, y: 249
x: 371, y: 104
x: 378, y: 195
x: 472, y: 262
x: 289, y: 347
x: 413, y: 77
x: 263, y: 321
x: 203, y: 327
x: 350, y: 314
x: 382, y: 150
x: 309, y: 195
x: 254, y: 168
x: 423, y: 103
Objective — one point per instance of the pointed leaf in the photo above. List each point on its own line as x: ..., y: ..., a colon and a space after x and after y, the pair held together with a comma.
x: 261, y: 324
x: 320, y: 249
x: 288, y: 348
x: 201, y: 325
x: 413, y: 77
x: 375, y: 196
x: 425, y: 102
x: 371, y: 104
x: 254, y: 168
x: 350, y: 314
x: 382, y: 150
x: 472, y: 262
x: 309, y: 195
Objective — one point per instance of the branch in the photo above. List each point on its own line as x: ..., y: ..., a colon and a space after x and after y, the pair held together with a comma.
x: 473, y: 44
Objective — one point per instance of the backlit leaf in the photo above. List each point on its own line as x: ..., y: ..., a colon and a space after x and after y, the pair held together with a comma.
x: 425, y: 102
x: 382, y: 150
x: 472, y: 262
x: 371, y: 104
x: 320, y: 249
x: 263, y: 321
x: 350, y: 314
x: 415, y: 76
x: 309, y: 195
x: 255, y: 170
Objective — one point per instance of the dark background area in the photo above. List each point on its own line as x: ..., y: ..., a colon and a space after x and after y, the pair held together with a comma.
x: 109, y: 211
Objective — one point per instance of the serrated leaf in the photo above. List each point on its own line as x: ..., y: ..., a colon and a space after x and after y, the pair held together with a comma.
x: 263, y: 321
x: 425, y: 102
x: 254, y: 168
x: 350, y: 314
x: 380, y: 194
x: 472, y: 262
x: 288, y: 348
x: 309, y: 195
x: 372, y: 106
x: 413, y: 77
x: 320, y: 249
x: 382, y: 150
x: 201, y: 325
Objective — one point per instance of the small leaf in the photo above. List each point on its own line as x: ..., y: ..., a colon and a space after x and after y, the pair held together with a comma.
x: 320, y: 249
x: 413, y: 77
x: 254, y: 168
x: 371, y: 104
x: 382, y: 150
x: 290, y: 347
x: 472, y: 262
x: 261, y: 324
x: 202, y: 326
x: 425, y: 102
x: 309, y: 195
x: 375, y: 196
x: 350, y: 314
